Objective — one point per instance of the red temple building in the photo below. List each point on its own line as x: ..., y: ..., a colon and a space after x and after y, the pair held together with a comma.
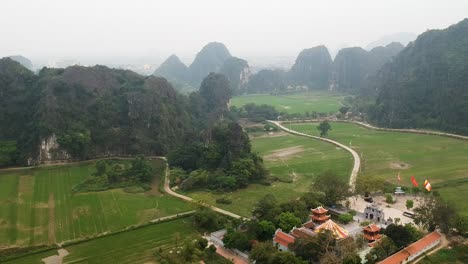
x: 319, y: 215
x: 371, y: 232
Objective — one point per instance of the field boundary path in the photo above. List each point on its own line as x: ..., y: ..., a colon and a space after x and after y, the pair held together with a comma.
x: 168, y: 190
x: 357, y: 159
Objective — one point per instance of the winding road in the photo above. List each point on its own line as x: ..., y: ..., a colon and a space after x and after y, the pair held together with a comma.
x: 357, y: 159
x: 168, y: 190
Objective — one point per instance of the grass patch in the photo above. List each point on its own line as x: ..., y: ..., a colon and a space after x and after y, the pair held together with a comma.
x: 441, y: 160
x: 28, y: 196
x: 296, y: 169
x: 300, y: 103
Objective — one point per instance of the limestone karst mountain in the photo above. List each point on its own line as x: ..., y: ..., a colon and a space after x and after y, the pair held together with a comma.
x: 313, y: 68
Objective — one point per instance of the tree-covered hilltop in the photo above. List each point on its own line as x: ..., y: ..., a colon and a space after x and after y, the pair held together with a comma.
x: 85, y: 112
x: 267, y: 81
x: 313, y: 68
x: 426, y: 85
x: 354, y: 68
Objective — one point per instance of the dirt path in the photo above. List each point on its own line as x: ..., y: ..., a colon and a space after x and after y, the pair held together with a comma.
x: 51, y: 228
x: 56, y: 259
x: 168, y: 190
x: 357, y: 159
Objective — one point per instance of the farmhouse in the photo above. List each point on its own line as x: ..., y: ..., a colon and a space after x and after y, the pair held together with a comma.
x: 414, y: 250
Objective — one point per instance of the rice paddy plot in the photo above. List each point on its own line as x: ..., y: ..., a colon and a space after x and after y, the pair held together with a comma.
x: 299, y: 103
x: 38, y: 207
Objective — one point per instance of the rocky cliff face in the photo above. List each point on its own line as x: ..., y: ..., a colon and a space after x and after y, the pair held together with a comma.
x: 238, y: 74
x: 50, y: 150
x: 313, y: 68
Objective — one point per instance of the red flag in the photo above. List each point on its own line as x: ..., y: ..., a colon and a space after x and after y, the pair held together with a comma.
x: 398, y: 177
x: 413, y: 180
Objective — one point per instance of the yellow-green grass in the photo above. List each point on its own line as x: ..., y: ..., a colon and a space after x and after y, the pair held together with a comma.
x: 135, y: 246
x: 315, y: 101
x: 441, y: 160
x: 37, y: 206
x: 311, y: 158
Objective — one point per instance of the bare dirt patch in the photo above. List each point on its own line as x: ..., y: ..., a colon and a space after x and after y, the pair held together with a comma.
x: 272, y: 134
x: 56, y: 259
x: 284, y: 153
x: 399, y: 165
x: 51, y: 227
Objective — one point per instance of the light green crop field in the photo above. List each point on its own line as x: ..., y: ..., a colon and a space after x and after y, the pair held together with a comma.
x: 441, y: 160
x: 294, y: 158
x: 135, y: 246
x: 37, y: 206
x: 318, y: 101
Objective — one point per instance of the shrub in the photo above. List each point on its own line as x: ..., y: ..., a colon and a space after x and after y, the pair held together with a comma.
x: 223, y: 200
x: 345, y: 218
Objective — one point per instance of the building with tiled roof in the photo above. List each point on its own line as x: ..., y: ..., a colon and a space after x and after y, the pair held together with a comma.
x: 371, y: 232
x: 309, y: 225
x: 282, y: 240
x: 302, y: 233
x: 319, y: 215
x: 337, y: 231
x: 414, y: 250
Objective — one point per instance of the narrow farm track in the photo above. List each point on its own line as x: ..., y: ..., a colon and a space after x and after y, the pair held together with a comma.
x: 357, y: 159
x: 168, y: 190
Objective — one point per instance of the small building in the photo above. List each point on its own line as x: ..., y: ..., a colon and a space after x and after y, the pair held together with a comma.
x: 217, y: 237
x: 371, y: 233
x: 414, y: 250
x: 319, y: 215
x: 282, y: 240
x: 374, y: 213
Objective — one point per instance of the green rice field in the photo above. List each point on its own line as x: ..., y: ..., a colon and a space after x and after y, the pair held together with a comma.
x: 441, y: 160
x: 295, y: 160
x: 37, y: 206
x: 135, y: 246
x: 300, y: 103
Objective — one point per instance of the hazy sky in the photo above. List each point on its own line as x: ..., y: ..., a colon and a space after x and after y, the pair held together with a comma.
x: 81, y: 29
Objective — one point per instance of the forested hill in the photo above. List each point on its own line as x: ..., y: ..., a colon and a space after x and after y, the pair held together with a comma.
x: 83, y: 112
x: 426, y: 85
x: 313, y: 68
x: 354, y: 68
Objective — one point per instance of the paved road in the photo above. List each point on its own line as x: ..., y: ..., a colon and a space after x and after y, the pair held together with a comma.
x: 168, y: 190
x: 357, y: 159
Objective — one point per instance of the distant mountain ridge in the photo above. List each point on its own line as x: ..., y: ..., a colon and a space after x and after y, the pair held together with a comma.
x: 210, y: 59
x: 313, y: 69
